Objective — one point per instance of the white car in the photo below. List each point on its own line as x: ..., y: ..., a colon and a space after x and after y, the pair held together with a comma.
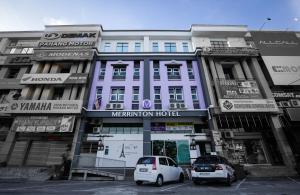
x: 157, y: 169
x: 212, y: 168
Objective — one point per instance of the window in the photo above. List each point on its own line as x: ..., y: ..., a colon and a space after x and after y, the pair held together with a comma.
x: 117, y: 94
x: 190, y: 71
x: 137, y: 47
x: 135, y: 94
x: 122, y: 47
x: 163, y: 161
x: 155, y: 47
x: 171, y: 163
x: 170, y: 47
x: 173, y: 72
x: 228, y: 73
x: 119, y: 73
x: 12, y: 73
x: 219, y: 43
x: 185, y: 47
x: 175, y: 93
x: 156, y: 74
x: 58, y: 93
x: 107, y: 47
x: 157, y: 93
x: 98, y: 92
x: 136, y: 70
x: 194, y: 93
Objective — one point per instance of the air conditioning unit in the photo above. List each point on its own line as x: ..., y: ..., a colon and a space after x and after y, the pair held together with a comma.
x: 109, y: 106
x: 285, y: 104
x: 228, y: 134
x: 295, y: 103
x: 181, y: 106
x: 118, y: 106
x: 172, y: 106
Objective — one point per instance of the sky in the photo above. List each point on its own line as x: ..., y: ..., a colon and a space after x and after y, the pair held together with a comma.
x: 149, y: 14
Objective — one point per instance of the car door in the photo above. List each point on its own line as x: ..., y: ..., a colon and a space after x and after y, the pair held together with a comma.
x: 164, y: 168
x: 173, y: 170
x: 228, y: 166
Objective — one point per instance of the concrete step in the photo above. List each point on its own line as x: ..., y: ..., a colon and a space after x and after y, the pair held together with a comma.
x: 86, y: 172
x: 26, y: 173
x: 269, y: 171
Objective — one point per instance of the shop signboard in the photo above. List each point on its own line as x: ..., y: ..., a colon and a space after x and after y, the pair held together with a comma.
x: 248, y: 105
x: 285, y: 95
x: 170, y: 126
x: 4, y: 108
x: 68, y: 39
x: 239, y: 89
x: 62, y: 78
x: 42, y: 55
x: 281, y: 54
x: 51, y: 124
x: 18, y: 60
x: 46, y: 106
x: 158, y: 127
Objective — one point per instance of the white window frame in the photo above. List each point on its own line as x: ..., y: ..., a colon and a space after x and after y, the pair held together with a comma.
x: 170, y: 47
x: 118, y: 95
x: 122, y: 48
x: 157, y: 94
x: 176, y: 93
x: 107, y: 47
x: 174, y: 71
x: 136, y: 70
x: 137, y: 47
x: 155, y: 47
x: 194, y: 93
x: 191, y: 72
x: 185, y: 47
x: 118, y: 71
x: 98, y: 94
x: 135, y: 96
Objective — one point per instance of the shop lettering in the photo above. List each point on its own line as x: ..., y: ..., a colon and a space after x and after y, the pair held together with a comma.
x: 55, y: 35
x: 35, y: 106
x: 145, y: 114
x: 286, y: 68
x: 66, y: 44
x: 278, y: 43
x: 46, y: 79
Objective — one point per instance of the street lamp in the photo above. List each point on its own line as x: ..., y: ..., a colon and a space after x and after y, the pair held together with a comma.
x: 267, y: 19
x: 295, y: 20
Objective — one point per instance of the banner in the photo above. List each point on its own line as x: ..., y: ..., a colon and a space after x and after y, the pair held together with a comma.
x: 280, y: 52
x: 239, y: 89
x: 248, y: 105
x: 46, y: 106
x: 43, y: 124
x: 61, y: 78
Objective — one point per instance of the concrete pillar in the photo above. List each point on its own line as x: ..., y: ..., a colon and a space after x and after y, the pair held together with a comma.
x: 80, y: 67
x: 74, y: 93
x: 78, y: 133
x: 88, y: 67
x: 7, y: 146
x: 220, y: 71
x: 36, y: 68
x: 22, y: 71
x: 74, y: 68
x: 3, y: 72
x: 237, y: 71
x: 246, y: 69
x: 147, y: 46
x: 278, y: 132
x: 46, y: 68
x: 147, y: 137
x: 82, y: 92
x: 26, y: 93
x: 212, y: 68
x: 37, y: 93
x: 67, y: 93
x: 3, y: 43
x: 55, y: 68
x: 47, y: 93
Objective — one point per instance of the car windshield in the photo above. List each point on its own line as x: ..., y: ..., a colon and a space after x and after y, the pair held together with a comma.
x: 146, y: 160
x: 207, y: 160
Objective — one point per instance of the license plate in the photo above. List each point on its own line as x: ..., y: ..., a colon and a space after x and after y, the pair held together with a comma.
x: 143, y: 170
x: 203, y: 173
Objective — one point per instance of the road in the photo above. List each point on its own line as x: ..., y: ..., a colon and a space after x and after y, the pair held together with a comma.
x: 248, y: 186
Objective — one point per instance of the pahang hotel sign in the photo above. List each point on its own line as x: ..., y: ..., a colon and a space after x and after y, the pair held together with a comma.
x: 68, y: 39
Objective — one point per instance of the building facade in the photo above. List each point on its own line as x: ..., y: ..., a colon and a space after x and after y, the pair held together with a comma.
x: 122, y: 94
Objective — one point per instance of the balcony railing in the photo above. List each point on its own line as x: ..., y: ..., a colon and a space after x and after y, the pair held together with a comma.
x: 229, y: 51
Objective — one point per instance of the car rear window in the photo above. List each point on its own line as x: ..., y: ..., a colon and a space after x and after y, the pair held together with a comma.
x: 146, y: 160
x: 208, y: 160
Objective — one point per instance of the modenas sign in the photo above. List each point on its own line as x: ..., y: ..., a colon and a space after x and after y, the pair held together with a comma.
x: 46, y: 106
x: 62, y: 78
x: 68, y: 39
x: 42, y: 55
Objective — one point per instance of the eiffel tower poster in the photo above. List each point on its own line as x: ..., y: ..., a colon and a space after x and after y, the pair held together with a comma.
x: 122, y: 152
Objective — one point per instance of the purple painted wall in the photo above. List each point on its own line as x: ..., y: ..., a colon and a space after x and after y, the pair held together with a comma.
x: 164, y: 83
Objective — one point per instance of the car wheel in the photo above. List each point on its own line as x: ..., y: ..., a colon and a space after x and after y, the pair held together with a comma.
x: 139, y: 183
x: 159, y: 181
x: 181, y: 178
x: 228, y: 180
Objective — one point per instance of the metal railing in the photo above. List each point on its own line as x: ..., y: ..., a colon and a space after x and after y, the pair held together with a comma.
x: 93, y: 163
